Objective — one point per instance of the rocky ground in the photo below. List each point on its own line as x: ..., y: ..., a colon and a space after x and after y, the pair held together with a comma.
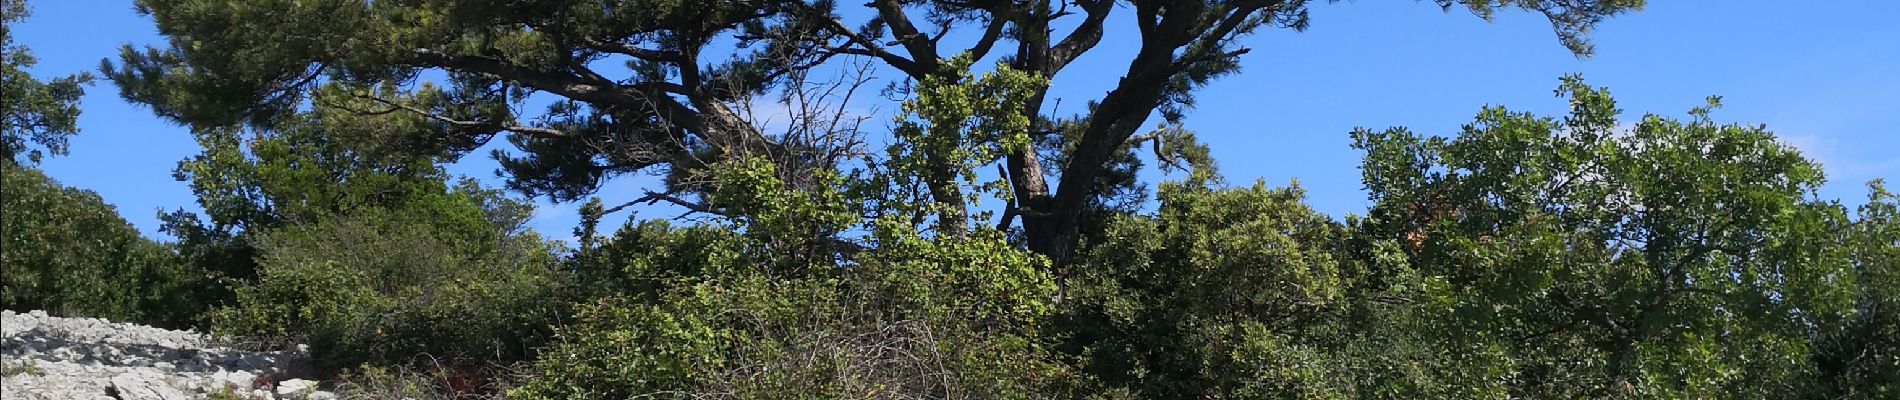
x: 46, y: 357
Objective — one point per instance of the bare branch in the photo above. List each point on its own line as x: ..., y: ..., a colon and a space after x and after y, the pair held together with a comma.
x: 868, y: 47
x: 656, y: 197
x: 989, y: 39
x: 1084, y: 37
x: 922, y: 50
x: 569, y: 86
x: 636, y: 52
x: 475, y: 125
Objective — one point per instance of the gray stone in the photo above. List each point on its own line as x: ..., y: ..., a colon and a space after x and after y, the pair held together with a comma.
x: 296, y: 387
x: 236, y: 380
x: 88, y: 358
x: 145, y: 386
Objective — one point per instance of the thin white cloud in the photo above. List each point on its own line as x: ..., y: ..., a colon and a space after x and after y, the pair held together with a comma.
x: 1815, y: 147
x: 1836, y: 161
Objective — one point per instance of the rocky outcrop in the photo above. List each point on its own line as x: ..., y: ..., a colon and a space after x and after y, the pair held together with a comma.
x: 46, y: 357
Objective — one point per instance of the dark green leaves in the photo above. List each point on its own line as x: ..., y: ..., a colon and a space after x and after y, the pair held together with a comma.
x: 69, y: 253
x: 37, y: 117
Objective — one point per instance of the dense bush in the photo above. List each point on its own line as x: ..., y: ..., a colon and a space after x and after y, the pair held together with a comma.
x: 742, y: 311
x: 1586, y: 257
x: 645, y: 259
x: 1859, y: 358
x: 305, y: 168
x: 422, y: 383
x: 68, y: 252
x: 1215, y: 296
x: 1526, y: 256
x: 393, y: 287
x: 64, y: 249
x: 952, y: 319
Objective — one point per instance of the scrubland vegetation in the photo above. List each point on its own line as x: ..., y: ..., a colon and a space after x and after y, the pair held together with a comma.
x: 991, y: 251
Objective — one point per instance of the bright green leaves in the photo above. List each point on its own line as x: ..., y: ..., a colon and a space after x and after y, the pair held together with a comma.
x: 751, y: 191
x: 312, y: 165
x: 947, y: 130
x: 980, y: 107
x: 980, y: 277
x: 749, y: 313
x: 1214, y: 296
x: 1627, y: 250
x: 346, y: 155
x: 791, y: 231
x: 1227, y: 238
x: 37, y: 117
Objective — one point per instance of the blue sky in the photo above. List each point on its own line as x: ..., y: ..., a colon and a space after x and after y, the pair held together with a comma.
x: 1820, y: 74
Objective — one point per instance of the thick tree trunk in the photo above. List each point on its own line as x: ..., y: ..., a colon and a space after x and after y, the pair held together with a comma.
x: 952, y: 214
x: 1620, y: 360
x: 1054, y: 229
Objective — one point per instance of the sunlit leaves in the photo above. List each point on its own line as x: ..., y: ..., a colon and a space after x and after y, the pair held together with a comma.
x: 1669, y: 258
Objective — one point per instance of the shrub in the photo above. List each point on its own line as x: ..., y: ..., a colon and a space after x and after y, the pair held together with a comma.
x: 69, y: 253
x: 945, y: 318
x: 1216, y: 296
x: 28, y: 367
x: 388, y: 287
x: 644, y: 259
x: 430, y: 383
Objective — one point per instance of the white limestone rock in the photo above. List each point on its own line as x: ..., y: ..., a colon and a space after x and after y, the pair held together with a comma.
x: 51, y: 358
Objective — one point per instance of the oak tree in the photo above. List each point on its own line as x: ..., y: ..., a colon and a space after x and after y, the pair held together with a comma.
x: 1670, y: 258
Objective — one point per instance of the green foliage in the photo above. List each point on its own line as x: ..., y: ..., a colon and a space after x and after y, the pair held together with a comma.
x: 1526, y: 257
x: 69, y: 253
x: 760, y: 337
x: 952, y: 126
x: 326, y: 228
x: 1860, y: 358
x: 28, y: 367
x: 229, y: 393
x: 980, y: 279
x: 638, y: 85
x: 38, y: 117
x: 390, y: 287
x: 741, y: 313
x: 1676, y: 259
x: 400, y: 383
x: 1572, y: 19
x: 645, y: 259
x: 308, y: 167
x: 66, y: 251
x: 1215, y: 296
x: 789, y: 227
